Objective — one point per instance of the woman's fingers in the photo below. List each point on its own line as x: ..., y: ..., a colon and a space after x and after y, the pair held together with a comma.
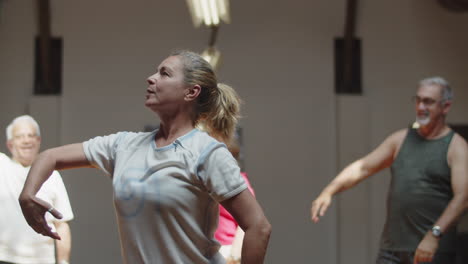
x: 55, y: 213
x: 34, y: 211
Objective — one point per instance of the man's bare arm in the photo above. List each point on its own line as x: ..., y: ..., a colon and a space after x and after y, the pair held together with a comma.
x: 382, y: 157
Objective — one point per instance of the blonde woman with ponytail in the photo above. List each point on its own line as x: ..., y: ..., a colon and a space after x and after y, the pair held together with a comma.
x: 168, y: 182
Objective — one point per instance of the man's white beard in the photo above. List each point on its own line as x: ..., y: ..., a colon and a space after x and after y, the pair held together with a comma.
x: 423, y: 120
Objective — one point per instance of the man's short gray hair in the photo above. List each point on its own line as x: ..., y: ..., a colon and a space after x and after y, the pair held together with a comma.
x: 21, y: 119
x: 447, y: 94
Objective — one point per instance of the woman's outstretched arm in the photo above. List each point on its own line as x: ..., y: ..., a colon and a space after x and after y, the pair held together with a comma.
x: 34, y: 208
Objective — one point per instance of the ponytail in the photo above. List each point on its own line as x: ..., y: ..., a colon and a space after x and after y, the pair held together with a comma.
x: 223, y: 113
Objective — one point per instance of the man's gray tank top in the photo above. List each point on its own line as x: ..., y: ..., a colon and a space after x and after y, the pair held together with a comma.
x: 420, y: 190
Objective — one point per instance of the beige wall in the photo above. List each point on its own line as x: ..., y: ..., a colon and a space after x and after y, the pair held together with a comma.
x: 279, y: 56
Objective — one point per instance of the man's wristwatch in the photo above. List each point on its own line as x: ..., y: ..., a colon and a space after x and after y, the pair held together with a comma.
x: 436, y: 231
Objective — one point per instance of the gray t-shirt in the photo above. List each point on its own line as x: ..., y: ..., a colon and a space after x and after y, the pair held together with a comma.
x: 166, y: 198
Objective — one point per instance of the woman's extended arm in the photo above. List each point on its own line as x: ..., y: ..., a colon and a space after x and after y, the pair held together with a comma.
x: 34, y: 208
